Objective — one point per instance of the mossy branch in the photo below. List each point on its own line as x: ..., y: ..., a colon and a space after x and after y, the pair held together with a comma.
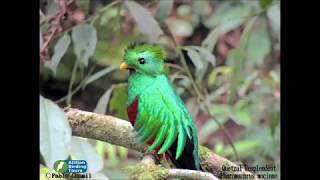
x: 155, y: 171
x: 120, y: 132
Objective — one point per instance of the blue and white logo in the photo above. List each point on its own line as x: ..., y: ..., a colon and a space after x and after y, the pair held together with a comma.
x: 71, y: 166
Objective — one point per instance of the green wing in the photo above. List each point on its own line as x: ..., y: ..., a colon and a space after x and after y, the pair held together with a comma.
x: 163, y: 117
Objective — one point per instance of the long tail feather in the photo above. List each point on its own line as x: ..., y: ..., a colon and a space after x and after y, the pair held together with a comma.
x: 187, y: 159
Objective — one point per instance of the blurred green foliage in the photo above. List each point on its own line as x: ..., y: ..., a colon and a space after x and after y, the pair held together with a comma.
x: 226, y: 57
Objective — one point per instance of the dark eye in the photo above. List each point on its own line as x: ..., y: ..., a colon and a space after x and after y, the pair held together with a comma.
x: 142, y: 60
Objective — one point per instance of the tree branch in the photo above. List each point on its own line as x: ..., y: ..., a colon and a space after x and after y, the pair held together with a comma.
x: 120, y: 132
x: 190, y: 174
x: 154, y: 171
x: 53, y: 28
x: 104, y: 128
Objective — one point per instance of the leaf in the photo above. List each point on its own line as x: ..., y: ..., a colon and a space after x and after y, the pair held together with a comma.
x: 43, y: 18
x: 259, y: 45
x: 275, y: 77
x: 220, y: 11
x: 123, y: 152
x: 229, y: 17
x: 265, y: 3
x: 164, y: 9
x: 195, y: 57
x: 41, y: 40
x: 199, y: 63
x: 117, y: 105
x: 112, y: 155
x: 55, y: 132
x: 273, y: 14
x: 145, y: 22
x: 245, y: 148
x: 231, y: 25
x: 84, y: 5
x: 59, y: 50
x: 100, y: 145
x: 84, y: 39
x: 223, y: 70
x: 218, y: 148
x: 221, y: 111
x: 192, y: 106
x: 274, y: 122
x: 268, y: 144
x: 184, y: 10
x: 43, y: 172
x: 242, y: 116
x: 83, y: 150
x: 236, y: 59
x: 52, y: 8
x: 102, y: 104
x: 246, y: 32
x: 202, y: 8
x: 180, y: 27
x: 99, y: 74
x: 184, y: 82
x: 248, y: 84
x: 210, y: 41
x: 209, y: 127
x: 205, y: 54
x: 109, y: 52
x: 108, y: 15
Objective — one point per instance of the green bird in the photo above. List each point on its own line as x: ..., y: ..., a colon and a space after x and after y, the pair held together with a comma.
x: 156, y: 112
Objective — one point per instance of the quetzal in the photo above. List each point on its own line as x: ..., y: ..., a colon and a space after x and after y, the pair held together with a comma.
x: 156, y: 112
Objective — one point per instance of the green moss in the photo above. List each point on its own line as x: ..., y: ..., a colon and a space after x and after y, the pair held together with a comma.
x: 204, y: 152
x: 85, y: 118
x: 143, y: 171
x: 226, y: 164
x: 82, y: 118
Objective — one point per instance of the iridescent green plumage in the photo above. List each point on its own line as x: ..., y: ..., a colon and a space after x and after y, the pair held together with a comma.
x: 162, y: 117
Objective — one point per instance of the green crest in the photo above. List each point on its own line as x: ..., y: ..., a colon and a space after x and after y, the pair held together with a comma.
x: 158, y: 52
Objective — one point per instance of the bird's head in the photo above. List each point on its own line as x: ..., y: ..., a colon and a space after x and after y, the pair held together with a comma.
x: 145, y: 59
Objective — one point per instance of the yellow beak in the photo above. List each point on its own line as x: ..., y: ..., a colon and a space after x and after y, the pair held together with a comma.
x: 123, y: 66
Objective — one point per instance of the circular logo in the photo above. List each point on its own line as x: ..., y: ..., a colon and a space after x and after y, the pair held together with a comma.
x: 60, y: 166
